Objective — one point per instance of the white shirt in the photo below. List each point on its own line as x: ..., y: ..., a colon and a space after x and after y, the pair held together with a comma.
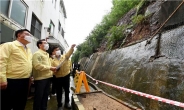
x: 23, y: 46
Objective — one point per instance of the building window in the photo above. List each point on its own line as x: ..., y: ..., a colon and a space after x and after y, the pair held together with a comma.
x: 5, y: 7
x: 52, y: 26
x: 60, y: 9
x: 18, y: 12
x: 14, y: 9
x: 36, y: 27
x: 55, y: 4
x: 62, y: 33
x: 59, y: 27
x: 6, y: 33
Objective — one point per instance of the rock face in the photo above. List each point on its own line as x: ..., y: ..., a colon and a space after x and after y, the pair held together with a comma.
x: 141, y: 68
x: 165, y: 12
x: 156, y: 69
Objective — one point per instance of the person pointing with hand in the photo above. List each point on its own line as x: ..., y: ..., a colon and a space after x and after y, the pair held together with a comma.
x: 62, y: 75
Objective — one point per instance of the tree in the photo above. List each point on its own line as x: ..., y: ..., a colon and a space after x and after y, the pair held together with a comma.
x: 93, y: 40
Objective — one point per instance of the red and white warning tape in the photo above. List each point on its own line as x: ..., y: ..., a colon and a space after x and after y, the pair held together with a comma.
x: 180, y: 104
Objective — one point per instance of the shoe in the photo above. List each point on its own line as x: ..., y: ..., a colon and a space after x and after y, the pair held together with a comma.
x: 53, y: 94
x: 48, y: 97
x: 67, y: 106
x: 72, y: 88
x: 60, y: 108
x: 30, y: 97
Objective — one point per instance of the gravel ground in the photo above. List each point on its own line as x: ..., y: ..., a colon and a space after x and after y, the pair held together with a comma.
x: 99, y: 101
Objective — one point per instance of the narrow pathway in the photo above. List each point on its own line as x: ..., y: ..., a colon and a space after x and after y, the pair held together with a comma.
x: 52, y: 103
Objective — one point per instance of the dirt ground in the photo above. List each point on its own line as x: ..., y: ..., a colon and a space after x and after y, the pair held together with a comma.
x: 99, y: 101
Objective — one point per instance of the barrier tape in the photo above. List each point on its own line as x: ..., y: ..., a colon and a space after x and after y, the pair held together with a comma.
x: 160, y: 99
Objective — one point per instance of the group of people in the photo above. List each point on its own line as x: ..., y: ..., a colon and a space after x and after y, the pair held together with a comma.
x: 18, y: 66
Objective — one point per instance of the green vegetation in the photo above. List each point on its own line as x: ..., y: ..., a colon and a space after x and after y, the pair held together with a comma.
x: 138, y: 19
x: 140, y: 5
x: 116, y: 34
x: 107, y: 26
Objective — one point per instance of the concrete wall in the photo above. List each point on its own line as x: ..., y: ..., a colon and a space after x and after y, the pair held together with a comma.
x: 156, y: 68
x: 141, y: 68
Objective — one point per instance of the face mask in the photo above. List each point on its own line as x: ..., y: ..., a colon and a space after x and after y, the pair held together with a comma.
x: 46, y: 46
x: 53, y: 56
x: 28, y: 38
x: 58, y: 52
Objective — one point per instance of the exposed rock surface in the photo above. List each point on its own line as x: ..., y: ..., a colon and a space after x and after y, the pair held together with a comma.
x: 157, y: 68
x: 155, y: 13
x: 136, y: 67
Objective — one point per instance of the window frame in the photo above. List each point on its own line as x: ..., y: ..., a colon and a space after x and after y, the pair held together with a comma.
x: 35, y: 26
x: 59, y: 27
x: 62, y: 32
x: 10, y: 11
x: 7, y: 10
x: 53, y: 26
x: 55, y: 4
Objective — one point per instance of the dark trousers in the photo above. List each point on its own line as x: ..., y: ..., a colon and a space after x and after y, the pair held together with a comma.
x: 73, y: 72
x: 53, y: 84
x: 15, y: 95
x: 62, y: 82
x: 42, y: 88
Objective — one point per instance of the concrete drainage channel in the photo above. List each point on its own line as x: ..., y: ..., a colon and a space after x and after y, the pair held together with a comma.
x: 99, y: 100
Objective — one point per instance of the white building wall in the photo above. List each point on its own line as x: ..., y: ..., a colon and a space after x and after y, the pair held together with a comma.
x: 45, y: 11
